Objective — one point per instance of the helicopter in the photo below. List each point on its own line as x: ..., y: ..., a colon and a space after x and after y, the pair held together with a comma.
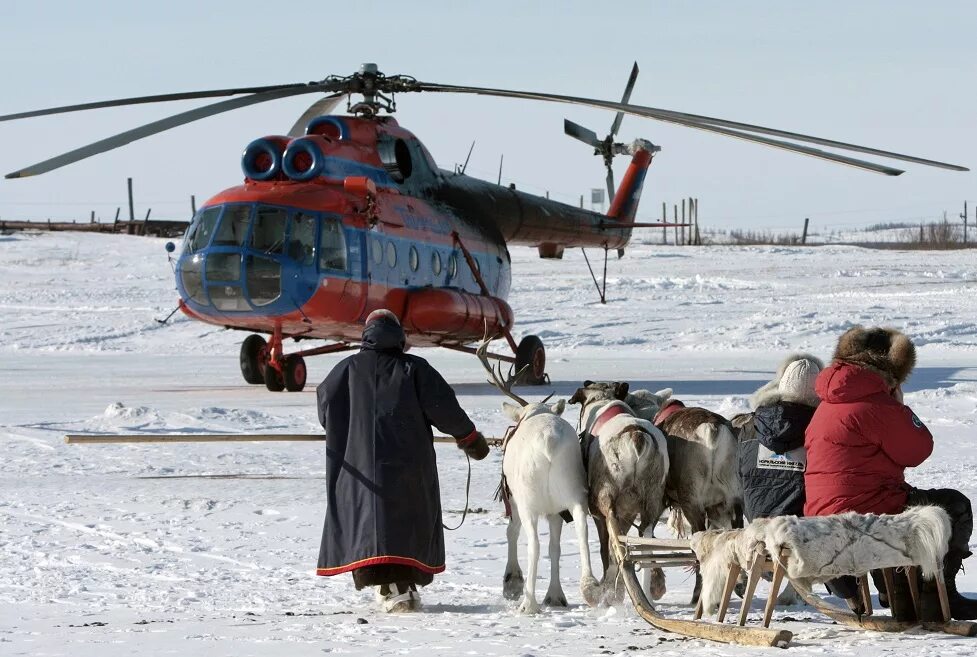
x: 349, y: 213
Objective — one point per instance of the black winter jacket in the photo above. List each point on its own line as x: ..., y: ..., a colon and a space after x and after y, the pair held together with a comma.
x: 772, y: 460
x: 377, y: 408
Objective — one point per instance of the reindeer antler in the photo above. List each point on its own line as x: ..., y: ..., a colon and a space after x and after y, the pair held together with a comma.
x: 505, y: 387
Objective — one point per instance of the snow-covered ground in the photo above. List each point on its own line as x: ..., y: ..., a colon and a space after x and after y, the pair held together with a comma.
x: 211, y: 548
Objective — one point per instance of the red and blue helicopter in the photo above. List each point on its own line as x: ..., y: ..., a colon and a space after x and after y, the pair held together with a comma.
x: 347, y: 214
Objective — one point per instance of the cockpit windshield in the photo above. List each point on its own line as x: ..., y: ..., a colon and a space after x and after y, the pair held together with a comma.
x: 269, y: 230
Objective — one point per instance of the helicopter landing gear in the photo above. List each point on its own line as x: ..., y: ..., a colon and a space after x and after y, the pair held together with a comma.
x: 274, y: 380
x: 531, y: 355
x: 294, y: 373
x: 254, y: 358
x: 264, y: 362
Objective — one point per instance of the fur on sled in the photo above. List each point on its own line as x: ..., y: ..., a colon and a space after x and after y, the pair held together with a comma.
x: 825, y: 547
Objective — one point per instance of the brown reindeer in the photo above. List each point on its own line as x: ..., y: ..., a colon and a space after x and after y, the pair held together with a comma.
x: 703, y: 484
x: 627, y: 461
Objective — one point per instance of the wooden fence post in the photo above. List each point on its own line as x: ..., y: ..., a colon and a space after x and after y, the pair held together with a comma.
x: 664, y: 221
x: 964, y: 217
x: 684, y: 241
x: 132, y: 212
x: 193, y: 205
x: 804, y: 234
x: 675, y: 221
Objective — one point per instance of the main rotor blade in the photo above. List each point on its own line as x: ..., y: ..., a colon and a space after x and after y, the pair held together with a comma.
x: 159, y: 98
x: 319, y: 108
x: 577, y: 131
x: 625, y: 99
x: 155, y: 127
x: 658, y: 115
x: 676, y: 117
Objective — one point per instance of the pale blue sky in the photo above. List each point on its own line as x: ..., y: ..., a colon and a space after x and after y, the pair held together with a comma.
x: 894, y: 75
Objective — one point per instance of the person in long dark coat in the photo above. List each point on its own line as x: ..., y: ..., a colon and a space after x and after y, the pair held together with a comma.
x: 383, y: 519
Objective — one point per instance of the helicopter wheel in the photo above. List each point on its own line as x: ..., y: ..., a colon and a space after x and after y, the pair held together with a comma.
x: 254, y: 355
x: 531, y: 352
x: 274, y: 380
x: 294, y: 373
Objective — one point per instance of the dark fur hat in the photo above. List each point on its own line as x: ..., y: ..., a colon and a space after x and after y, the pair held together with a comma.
x: 885, y: 351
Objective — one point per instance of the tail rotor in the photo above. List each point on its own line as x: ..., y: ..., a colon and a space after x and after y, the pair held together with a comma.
x: 607, y: 148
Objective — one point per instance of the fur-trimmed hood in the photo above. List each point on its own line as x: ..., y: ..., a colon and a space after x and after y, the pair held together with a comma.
x: 885, y: 351
x: 770, y: 393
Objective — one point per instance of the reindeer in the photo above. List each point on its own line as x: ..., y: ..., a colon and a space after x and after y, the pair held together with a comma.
x: 627, y: 462
x: 542, y: 476
x: 703, y: 484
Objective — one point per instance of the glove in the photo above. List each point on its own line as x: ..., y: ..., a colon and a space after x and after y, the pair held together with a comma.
x: 474, y: 445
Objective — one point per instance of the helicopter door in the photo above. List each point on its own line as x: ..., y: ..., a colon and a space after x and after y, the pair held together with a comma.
x: 300, y: 255
x: 340, y: 261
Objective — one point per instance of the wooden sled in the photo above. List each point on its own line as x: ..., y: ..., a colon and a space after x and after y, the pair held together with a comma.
x: 762, y: 563
x: 748, y: 636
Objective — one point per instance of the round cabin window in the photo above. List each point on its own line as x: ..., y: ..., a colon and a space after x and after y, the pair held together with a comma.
x: 436, y: 262
x: 453, y: 265
x: 413, y: 259
x: 391, y: 255
x: 377, y: 248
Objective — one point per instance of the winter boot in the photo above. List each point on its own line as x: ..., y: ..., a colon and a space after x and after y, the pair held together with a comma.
x: 901, y: 601
x: 961, y: 608
x: 398, y: 597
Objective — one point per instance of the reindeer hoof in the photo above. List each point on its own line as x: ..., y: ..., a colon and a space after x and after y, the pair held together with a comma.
x: 512, y: 586
x: 558, y: 600
x: 529, y: 607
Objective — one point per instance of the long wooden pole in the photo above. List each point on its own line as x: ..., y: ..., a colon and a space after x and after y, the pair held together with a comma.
x: 89, y: 439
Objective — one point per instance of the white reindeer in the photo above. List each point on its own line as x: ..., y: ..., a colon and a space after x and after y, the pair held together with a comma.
x: 544, y: 475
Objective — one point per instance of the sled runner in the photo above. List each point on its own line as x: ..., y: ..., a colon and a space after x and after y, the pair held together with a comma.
x: 652, y: 552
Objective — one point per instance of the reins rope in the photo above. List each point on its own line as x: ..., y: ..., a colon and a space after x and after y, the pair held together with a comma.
x: 468, y: 484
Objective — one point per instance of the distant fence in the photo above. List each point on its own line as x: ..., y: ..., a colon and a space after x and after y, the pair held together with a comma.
x: 155, y: 227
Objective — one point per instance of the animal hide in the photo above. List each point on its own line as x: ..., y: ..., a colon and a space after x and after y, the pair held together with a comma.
x: 825, y: 547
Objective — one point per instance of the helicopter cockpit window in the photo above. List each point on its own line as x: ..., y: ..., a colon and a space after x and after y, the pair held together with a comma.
x: 332, y: 246
x: 234, y: 226
x: 269, y: 230
x: 223, y: 266
x: 301, y: 240
x: 190, y: 275
x: 264, y: 280
x: 202, y: 229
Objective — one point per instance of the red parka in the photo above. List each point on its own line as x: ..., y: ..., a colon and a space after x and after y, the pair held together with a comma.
x: 859, y: 442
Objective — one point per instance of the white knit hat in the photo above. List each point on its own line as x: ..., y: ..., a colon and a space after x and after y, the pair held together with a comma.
x: 797, y: 383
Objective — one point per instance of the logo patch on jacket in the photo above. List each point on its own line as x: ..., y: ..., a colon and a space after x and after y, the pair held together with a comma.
x: 917, y: 422
x: 794, y: 461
